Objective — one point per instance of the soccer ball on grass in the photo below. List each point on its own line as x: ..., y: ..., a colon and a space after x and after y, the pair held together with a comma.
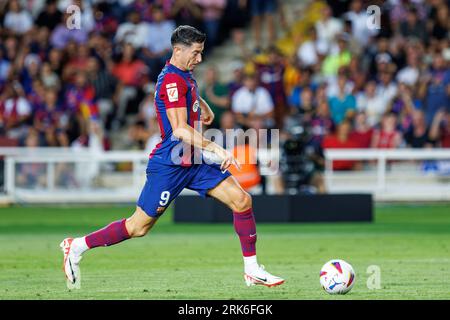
x: 337, y: 277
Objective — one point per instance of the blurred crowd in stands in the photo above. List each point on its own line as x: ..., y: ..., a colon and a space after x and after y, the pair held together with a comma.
x: 328, y: 78
x: 62, y: 80
x: 343, y: 76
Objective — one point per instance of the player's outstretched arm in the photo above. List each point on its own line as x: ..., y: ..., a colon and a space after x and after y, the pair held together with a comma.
x: 178, y: 120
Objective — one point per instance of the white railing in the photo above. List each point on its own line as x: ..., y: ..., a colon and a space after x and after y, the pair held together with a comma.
x: 118, y: 176
x: 93, y: 174
x: 85, y: 167
x: 401, y: 174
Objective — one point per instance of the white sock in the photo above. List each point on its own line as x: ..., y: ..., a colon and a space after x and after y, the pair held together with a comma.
x: 79, y: 246
x: 250, y: 264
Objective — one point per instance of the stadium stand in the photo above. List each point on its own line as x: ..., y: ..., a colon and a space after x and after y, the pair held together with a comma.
x: 332, y: 82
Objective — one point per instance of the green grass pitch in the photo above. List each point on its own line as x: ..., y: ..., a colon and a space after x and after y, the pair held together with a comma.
x: 410, y: 244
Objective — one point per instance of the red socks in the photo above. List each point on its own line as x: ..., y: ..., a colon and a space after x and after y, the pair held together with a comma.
x: 244, y: 225
x: 113, y: 233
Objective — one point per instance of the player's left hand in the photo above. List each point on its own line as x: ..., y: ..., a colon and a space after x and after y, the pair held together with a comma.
x: 207, y: 118
x: 228, y: 160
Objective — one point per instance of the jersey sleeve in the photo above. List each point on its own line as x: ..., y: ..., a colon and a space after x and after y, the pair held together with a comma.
x: 173, y: 91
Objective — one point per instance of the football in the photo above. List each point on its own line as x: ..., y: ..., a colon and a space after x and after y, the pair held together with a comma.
x: 337, y: 277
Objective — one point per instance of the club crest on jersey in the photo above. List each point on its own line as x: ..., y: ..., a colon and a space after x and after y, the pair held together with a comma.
x: 172, y: 92
x: 195, y: 106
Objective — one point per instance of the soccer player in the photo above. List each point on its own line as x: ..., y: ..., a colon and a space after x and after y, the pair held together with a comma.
x: 178, y: 105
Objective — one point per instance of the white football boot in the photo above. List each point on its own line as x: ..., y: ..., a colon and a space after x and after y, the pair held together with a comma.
x: 261, y: 276
x: 71, y: 266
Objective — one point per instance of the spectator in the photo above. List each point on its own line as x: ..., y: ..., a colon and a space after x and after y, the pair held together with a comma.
x: 80, y: 101
x: 104, y: 85
x: 358, y: 18
x: 403, y: 105
x: 78, y: 61
x: 48, y: 77
x: 304, y: 82
x: 50, y: 16
x: 413, y: 26
x: 227, y: 122
x: 418, y: 135
x: 29, y: 71
x: 55, y: 60
x: 36, y: 95
x: 237, y: 68
x: 321, y: 125
x: 105, y: 15
x: 362, y: 132
x: 373, y: 105
x: 343, y: 105
x: 16, y: 111
x: 87, y: 14
x: 387, y: 137
x: 143, y: 8
x: 338, y: 57
x: 306, y: 107
x: 441, y: 24
x: 328, y: 27
x: 145, y: 138
x: 410, y: 73
x: 434, y: 87
x: 5, y: 68
x: 271, y: 75
x: 50, y: 121
x: 131, y: 74
x: 31, y: 175
x: 216, y: 95
x: 62, y: 35
x: 341, y: 139
x: 132, y: 31
x: 386, y: 86
x: 381, y: 55
x: 147, y: 111
x: 440, y: 128
x: 212, y: 14
x: 40, y: 42
x: 310, y: 51
x: 186, y: 12
x: 17, y: 20
x: 157, y: 47
x: 252, y: 101
x: 260, y: 10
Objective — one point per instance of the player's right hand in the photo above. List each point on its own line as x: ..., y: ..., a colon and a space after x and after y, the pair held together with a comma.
x: 228, y: 160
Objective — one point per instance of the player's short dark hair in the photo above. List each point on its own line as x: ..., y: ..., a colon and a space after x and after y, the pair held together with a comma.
x: 187, y: 35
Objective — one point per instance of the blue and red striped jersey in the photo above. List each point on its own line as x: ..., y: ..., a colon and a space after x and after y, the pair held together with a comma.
x: 175, y: 88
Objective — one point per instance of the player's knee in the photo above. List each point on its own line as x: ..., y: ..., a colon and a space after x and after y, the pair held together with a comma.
x: 242, y: 202
x: 138, y: 231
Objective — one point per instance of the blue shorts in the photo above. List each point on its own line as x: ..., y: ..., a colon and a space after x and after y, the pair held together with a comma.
x: 164, y: 183
x: 260, y: 7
